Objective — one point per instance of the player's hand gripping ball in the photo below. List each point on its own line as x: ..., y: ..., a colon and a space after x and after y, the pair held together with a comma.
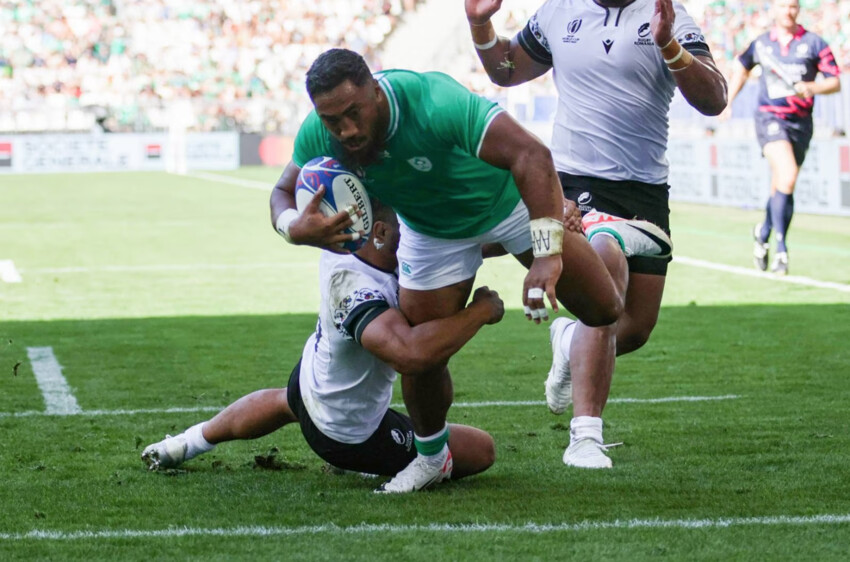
x: 343, y: 192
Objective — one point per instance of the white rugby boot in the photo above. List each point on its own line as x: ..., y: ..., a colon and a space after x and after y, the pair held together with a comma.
x: 168, y: 453
x: 587, y: 453
x: 760, y: 249
x: 636, y: 237
x: 420, y: 474
x: 780, y: 264
x: 559, y: 388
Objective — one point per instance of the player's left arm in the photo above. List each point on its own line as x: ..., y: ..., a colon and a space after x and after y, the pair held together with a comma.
x: 831, y: 82
x: 687, y: 57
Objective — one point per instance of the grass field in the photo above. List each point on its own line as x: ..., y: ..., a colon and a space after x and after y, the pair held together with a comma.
x: 164, y: 298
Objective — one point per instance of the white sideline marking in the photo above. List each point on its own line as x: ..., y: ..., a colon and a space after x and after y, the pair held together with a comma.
x: 794, y: 279
x: 48, y: 374
x: 612, y: 400
x: 179, y: 410
x: 8, y: 272
x: 385, y: 528
x: 174, y: 267
x: 241, y: 182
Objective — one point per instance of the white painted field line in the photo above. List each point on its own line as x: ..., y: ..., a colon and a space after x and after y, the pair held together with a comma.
x: 8, y: 272
x: 386, y: 528
x: 241, y: 182
x: 48, y: 374
x: 175, y: 267
x: 793, y: 279
x: 180, y: 410
x: 611, y: 401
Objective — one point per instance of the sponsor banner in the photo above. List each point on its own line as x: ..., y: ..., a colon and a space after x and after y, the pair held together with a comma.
x: 265, y: 150
x: 733, y: 173
x: 46, y: 153
x: 212, y: 151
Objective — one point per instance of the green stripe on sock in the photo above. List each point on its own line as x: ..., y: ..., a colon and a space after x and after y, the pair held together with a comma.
x: 610, y: 231
x: 432, y: 446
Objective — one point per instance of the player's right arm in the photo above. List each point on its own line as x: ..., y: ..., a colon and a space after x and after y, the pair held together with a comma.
x: 311, y: 227
x: 415, y: 350
x: 506, y: 62
x: 740, y: 75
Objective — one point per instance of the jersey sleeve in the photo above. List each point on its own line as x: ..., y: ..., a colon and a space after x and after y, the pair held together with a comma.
x: 456, y: 116
x: 748, y: 57
x: 532, y: 38
x: 354, y: 302
x: 311, y: 141
x: 826, y: 60
x: 688, y: 33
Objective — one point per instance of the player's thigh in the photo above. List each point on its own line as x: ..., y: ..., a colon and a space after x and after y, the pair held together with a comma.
x: 435, y: 274
x: 473, y: 450
x: 626, y: 199
x: 643, y: 302
x: 783, y: 163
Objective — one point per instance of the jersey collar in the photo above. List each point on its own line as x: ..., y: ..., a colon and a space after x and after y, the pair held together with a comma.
x: 774, y: 33
x: 392, y: 101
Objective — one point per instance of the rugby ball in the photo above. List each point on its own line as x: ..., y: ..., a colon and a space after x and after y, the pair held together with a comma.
x: 343, y: 190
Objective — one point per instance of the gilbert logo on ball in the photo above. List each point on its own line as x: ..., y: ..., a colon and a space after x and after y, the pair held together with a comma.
x: 343, y: 192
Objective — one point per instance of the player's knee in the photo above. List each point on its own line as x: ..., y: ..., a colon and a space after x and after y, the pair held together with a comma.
x: 605, y: 314
x: 487, y: 454
x: 634, y: 339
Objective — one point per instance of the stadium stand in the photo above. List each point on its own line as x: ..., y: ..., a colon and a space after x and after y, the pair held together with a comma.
x: 116, y: 65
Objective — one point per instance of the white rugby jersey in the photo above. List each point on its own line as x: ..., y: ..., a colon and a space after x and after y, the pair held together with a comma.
x: 345, y: 389
x: 614, y: 89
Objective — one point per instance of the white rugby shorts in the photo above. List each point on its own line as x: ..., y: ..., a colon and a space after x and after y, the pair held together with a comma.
x: 426, y: 263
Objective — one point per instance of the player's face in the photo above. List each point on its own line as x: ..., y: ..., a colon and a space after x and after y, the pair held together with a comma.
x: 786, y: 12
x: 352, y: 116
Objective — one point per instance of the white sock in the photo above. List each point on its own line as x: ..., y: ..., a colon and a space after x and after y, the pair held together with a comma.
x: 583, y: 427
x: 567, y: 339
x: 195, y: 442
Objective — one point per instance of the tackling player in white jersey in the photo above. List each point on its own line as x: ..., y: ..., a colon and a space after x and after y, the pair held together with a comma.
x: 616, y: 65
x: 340, y: 390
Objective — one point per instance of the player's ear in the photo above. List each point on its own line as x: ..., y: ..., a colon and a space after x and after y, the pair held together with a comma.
x: 380, y: 231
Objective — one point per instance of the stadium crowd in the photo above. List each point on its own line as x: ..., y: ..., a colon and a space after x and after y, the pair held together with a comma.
x: 242, y: 62
x: 730, y: 25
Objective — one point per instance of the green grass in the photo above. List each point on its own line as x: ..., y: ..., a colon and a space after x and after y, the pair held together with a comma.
x: 158, y: 291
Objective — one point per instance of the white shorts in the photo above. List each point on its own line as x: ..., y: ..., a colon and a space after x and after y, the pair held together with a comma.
x: 426, y: 263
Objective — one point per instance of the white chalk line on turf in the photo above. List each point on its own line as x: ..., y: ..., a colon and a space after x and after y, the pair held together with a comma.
x: 192, y: 409
x: 8, y: 272
x: 48, y: 375
x: 793, y: 279
x: 175, y: 267
x: 241, y: 182
x: 385, y: 528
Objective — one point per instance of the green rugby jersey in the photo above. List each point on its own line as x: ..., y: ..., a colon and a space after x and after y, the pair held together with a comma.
x: 429, y: 172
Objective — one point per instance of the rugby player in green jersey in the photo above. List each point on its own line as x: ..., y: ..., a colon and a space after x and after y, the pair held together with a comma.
x: 460, y: 173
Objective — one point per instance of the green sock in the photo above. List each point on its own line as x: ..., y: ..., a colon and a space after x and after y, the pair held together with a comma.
x: 432, y: 444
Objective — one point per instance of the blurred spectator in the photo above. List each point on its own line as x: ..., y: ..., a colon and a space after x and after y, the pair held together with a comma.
x: 117, y: 64
x: 240, y: 62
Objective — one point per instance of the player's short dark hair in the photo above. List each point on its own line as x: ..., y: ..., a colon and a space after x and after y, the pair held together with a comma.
x: 332, y: 68
x: 383, y: 213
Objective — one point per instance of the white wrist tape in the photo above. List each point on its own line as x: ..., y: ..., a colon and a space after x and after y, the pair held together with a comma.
x: 677, y: 57
x: 488, y: 45
x: 547, y: 237
x: 283, y: 221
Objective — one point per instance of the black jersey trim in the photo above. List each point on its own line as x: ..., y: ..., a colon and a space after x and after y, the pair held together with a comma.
x: 361, y: 316
x: 698, y: 48
x: 532, y: 46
